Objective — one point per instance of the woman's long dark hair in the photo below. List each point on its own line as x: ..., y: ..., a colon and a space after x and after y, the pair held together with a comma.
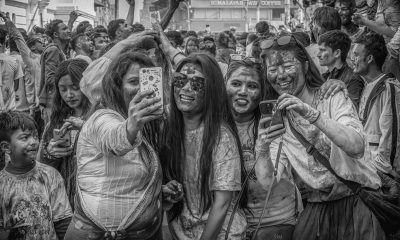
x: 113, y: 97
x: 215, y: 114
x: 74, y: 68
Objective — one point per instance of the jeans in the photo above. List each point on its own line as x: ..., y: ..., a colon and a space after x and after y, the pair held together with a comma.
x: 82, y: 228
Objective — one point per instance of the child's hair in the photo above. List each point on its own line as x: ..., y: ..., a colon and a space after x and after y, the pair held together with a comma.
x: 11, y: 121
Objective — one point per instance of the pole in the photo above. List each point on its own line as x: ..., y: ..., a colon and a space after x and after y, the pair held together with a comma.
x: 188, y: 14
x: 258, y: 10
x: 246, y: 10
x: 287, y: 12
x: 116, y: 9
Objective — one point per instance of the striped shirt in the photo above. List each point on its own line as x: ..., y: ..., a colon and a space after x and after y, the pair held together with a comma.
x: 113, y: 179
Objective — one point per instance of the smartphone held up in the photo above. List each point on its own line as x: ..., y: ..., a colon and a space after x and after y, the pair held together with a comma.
x: 151, y: 79
x: 268, y: 109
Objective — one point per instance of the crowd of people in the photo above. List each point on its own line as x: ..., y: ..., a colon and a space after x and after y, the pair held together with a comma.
x: 87, y: 154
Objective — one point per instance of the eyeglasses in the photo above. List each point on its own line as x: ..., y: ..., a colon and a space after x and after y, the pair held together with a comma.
x: 281, y: 41
x: 196, y: 83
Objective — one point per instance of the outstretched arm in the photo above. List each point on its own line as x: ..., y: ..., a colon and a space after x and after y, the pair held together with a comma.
x: 377, y: 27
x: 131, y: 12
x: 173, y: 5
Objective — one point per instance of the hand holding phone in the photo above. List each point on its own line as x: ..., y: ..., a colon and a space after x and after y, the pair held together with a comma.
x: 151, y: 79
x: 268, y: 108
x: 62, y: 135
x: 271, y: 124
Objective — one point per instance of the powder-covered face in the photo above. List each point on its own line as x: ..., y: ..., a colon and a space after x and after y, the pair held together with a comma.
x: 284, y: 72
x: 345, y: 12
x: 360, y: 59
x: 325, y: 55
x: 187, y: 100
x: 244, y: 90
x: 130, y: 83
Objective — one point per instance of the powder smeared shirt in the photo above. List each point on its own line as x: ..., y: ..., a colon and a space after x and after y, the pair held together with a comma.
x: 115, y: 182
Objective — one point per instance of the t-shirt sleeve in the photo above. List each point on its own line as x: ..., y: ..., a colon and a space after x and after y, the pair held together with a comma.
x: 343, y: 111
x: 60, y: 206
x: 226, y: 165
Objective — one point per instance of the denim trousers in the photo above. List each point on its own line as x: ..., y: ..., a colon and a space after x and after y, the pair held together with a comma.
x: 82, y: 228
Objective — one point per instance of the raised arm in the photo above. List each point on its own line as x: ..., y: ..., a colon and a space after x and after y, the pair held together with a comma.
x: 19, y: 40
x: 377, y: 27
x: 72, y: 18
x: 131, y: 12
x: 173, y: 5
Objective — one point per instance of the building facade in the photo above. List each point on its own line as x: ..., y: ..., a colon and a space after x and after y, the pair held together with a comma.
x: 28, y: 13
x: 223, y: 14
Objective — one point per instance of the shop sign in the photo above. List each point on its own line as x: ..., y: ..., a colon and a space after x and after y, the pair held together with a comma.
x: 243, y: 3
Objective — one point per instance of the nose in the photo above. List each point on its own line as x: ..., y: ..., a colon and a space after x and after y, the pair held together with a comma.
x: 243, y: 90
x: 187, y: 86
x: 69, y: 93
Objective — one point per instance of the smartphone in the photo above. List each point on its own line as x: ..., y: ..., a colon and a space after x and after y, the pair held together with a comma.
x: 236, y: 57
x: 151, y: 79
x: 57, y: 135
x: 268, y: 109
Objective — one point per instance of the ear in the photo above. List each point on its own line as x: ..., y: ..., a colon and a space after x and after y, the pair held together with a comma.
x: 5, y: 147
x: 370, y: 59
x: 337, y: 53
x: 55, y: 35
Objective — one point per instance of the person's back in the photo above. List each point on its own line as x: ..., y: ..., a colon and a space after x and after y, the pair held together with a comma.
x: 11, y: 72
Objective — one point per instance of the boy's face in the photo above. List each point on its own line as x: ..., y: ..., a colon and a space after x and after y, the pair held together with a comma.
x: 23, y: 146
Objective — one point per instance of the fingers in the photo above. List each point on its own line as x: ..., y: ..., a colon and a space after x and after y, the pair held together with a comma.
x: 287, y: 102
x: 270, y: 135
x: 263, y: 122
x: 166, y: 190
x: 346, y: 92
x: 148, y: 105
x: 140, y: 95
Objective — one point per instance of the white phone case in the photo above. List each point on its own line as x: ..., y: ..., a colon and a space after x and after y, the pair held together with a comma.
x: 151, y: 79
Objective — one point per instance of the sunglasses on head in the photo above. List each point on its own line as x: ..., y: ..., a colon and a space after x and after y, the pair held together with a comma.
x: 196, y: 83
x: 249, y: 61
x: 281, y: 41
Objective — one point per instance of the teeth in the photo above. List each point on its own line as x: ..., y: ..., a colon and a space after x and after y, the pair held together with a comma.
x: 284, y: 84
x: 241, y: 101
x: 186, y: 98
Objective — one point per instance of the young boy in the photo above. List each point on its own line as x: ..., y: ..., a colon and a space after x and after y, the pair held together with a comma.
x: 33, y: 201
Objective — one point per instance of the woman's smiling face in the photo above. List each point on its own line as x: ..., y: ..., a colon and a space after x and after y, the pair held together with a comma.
x: 284, y: 72
x: 187, y: 99
x: 244, y: 90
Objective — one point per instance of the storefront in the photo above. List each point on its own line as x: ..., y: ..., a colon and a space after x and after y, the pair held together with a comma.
x: 223, y: 14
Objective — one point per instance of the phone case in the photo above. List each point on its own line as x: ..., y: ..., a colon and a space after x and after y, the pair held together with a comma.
x: 57, y: 136
x: 151, y: 79
x: 236, y: 57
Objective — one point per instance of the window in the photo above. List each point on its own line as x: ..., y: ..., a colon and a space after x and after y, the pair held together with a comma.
x: 276, y: 12
x: 212, y: 13
x: 199, y: 13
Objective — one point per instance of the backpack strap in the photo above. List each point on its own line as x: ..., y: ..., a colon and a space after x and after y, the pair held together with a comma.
x: 378, y: 89
x: 394, y: 123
